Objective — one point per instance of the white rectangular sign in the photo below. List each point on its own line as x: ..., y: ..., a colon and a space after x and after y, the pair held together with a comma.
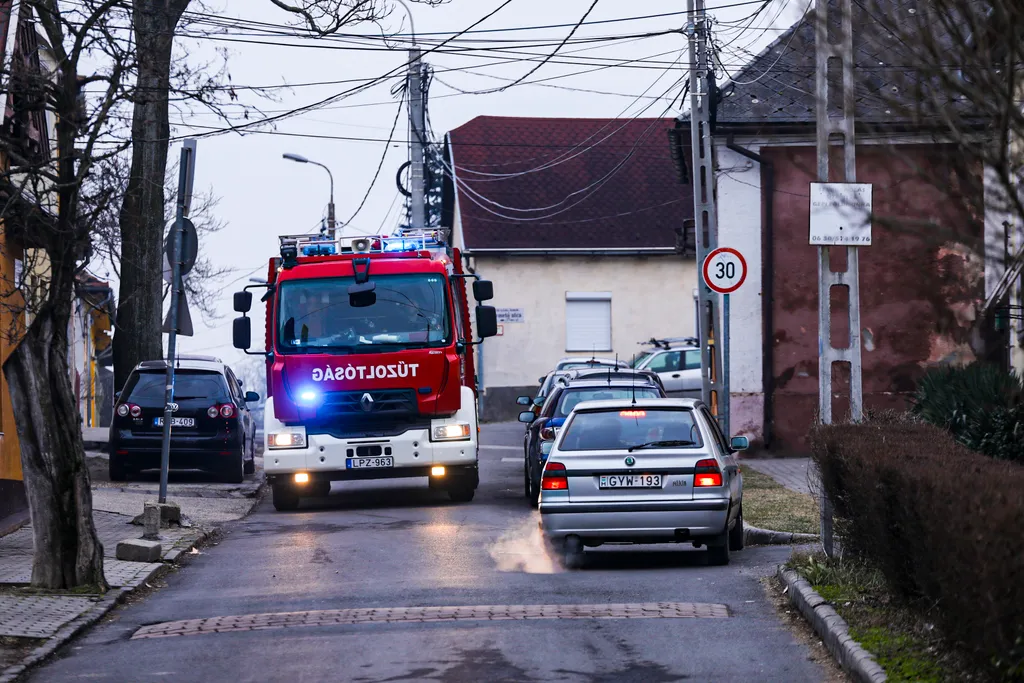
x: 511, y: 315
x: 841, y: 214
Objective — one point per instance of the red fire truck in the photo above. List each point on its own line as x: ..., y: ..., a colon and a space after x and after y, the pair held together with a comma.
x: 370, y: 364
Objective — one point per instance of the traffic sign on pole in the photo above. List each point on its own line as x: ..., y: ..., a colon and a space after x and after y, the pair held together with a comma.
x: 724, y: 270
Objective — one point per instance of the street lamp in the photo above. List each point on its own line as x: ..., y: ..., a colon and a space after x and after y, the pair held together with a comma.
x: 298, y: 158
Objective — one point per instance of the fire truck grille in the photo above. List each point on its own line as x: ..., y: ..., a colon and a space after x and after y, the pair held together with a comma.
x: 378, y: 403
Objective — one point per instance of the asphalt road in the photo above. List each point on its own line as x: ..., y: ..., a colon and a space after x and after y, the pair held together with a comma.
x: 399, y: 545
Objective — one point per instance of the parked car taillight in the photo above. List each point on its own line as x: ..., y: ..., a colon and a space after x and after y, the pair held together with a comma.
x: 707, y: 473
x: 553, y: 478
x: 227, y: 410
x: 213, y: 411
x: 547, y: 433
x: 135, y: 410
x: 122, y: 410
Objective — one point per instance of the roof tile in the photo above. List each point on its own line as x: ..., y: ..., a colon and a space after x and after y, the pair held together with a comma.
x: 568, y: 183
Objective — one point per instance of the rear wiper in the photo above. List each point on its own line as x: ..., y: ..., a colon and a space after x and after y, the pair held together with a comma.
x: 660, y: 444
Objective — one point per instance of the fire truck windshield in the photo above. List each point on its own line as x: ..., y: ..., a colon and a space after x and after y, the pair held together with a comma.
x: 315, y: 316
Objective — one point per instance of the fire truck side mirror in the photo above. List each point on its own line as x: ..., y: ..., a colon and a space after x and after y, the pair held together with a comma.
x: 243, y: 302
x: 241, y: 332
x: 486, y: 321
x: 483, y: 290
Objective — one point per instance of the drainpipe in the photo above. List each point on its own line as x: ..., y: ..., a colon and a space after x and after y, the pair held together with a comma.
x: 767, y: 286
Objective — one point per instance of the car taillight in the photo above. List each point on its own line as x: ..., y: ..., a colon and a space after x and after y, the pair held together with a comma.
x: 122, y: 410
x: 707, y: 473
x: 553, y: 478
x: 227, y: 410
x: 212, y: 411
x: 547, y: 434
x: 136, y: 411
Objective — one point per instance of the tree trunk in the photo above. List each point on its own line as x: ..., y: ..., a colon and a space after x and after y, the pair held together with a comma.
x: 137, y: 335
x: 68, y: 553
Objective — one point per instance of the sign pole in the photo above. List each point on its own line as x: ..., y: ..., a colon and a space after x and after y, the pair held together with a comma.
x: 185, y: 170
x: 723, y: 271
x: 724, y: 400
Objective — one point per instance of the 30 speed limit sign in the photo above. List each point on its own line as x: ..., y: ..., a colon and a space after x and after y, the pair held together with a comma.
x: 724, y: 270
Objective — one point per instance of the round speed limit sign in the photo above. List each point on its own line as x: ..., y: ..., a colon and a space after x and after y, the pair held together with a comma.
x: 724, y: 270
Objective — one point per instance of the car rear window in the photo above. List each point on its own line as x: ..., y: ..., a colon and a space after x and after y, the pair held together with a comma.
x: 624, y: 428
x: 146, y: 389
x: 570, y: 398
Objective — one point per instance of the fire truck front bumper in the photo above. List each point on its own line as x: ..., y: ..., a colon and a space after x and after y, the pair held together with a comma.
x: 412, y: 454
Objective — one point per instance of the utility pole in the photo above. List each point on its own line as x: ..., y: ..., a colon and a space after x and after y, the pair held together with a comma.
x: 836, y: 124
x: 417, y: 127
x: 705, y: 214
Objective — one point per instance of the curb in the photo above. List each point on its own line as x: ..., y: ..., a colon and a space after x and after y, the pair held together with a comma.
x: 65, y: 634
x: 831, y: 628
x: 752, y: 535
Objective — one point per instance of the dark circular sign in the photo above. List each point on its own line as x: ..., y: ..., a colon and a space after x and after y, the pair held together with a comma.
x: 189, y: 246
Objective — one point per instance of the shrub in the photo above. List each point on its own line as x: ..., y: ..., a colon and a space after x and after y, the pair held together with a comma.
x: 982, y: 406
x: 944, y: 525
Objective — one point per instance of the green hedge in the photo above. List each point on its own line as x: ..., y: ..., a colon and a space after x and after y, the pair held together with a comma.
x: 944, y: 525
x: 980, y: 404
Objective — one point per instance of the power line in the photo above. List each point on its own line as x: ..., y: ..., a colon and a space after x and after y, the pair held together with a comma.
x: 383, y: 157
x: 348, y: 93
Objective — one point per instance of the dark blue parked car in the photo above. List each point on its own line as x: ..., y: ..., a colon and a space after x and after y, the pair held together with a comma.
x: 541, y: 429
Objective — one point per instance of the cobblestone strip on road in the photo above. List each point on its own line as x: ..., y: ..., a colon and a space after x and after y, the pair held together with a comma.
x: 393, y: 615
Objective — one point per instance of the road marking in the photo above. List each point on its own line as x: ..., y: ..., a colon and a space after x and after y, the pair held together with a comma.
x: 511, y: 459
x: 393, y: 615
x: 502, y: 448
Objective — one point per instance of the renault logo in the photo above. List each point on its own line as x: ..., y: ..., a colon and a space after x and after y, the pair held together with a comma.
x: 630, y: 461
x: 366, y: 402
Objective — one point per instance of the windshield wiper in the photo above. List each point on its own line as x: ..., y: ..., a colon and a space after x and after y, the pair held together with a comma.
x: 660, y: 444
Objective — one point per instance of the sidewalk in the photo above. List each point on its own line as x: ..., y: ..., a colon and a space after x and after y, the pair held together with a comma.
x: 790, y: 472
x: 40, y: 622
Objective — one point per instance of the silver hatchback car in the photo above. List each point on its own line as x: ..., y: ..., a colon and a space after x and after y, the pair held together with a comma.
x: 643, y: 471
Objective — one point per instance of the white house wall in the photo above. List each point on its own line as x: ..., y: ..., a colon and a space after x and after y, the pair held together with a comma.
x: 739, y: 227
x: 650, y: 297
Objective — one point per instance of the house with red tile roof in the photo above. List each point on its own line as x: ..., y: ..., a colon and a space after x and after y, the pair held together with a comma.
x: 579, y: 223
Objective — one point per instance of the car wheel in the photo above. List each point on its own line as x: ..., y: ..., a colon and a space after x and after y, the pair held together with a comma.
x: 736, y: 533
x: 249, y: 466
x: 234, y: 469
x: 461, y: 493
x: 573, y: 554
x: 534, y: 491
x: 718, y: 550
x: 117, y: 469
x: 527, y: 480
x: 285, y: 497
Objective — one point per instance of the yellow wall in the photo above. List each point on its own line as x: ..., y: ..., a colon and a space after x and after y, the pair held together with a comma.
x: 10, y: 453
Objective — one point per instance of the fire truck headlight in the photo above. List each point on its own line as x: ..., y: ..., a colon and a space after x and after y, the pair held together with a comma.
x: 289, y: 437
x: 458, y: 431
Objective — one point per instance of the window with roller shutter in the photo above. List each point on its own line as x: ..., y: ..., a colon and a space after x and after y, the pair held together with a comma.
x: 588, y: 321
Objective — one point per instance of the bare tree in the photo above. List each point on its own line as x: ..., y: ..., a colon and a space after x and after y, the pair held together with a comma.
x: 155, y: 23
x: 48, y: 207
x: 959, y: 76
x: 201, y: 284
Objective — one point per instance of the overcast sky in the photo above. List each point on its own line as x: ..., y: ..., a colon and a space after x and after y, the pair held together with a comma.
x: 263, y: 196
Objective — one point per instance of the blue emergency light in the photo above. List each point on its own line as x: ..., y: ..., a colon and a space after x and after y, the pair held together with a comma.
x: 318, y: 250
